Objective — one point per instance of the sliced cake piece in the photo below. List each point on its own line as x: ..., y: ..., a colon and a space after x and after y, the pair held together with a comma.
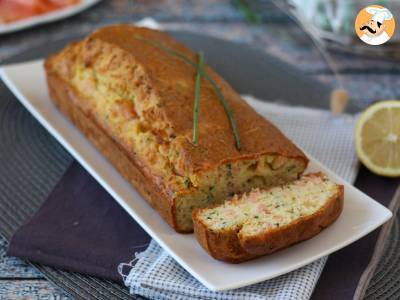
x: 263, y: 221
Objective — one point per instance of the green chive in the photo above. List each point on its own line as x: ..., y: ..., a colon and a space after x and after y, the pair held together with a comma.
x: 249, y: 15
x: 221, y: 98
x: 199, y: 74
x: 227, y: 110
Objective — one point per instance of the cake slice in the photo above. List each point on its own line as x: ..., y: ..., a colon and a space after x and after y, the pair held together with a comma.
x: 263, y: 221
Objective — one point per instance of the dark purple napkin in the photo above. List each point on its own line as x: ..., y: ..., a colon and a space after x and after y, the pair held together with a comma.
x: 80, y: 228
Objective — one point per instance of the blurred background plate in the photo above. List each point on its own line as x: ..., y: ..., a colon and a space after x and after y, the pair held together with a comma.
x: 47, y: 17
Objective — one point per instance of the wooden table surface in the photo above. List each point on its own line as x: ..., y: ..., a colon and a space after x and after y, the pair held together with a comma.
x: 366, y: 79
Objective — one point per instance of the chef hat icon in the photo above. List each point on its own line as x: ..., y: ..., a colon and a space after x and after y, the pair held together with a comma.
x: 379, y: 14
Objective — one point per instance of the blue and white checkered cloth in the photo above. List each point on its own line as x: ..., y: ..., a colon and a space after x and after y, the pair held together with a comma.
x: 156, y: 275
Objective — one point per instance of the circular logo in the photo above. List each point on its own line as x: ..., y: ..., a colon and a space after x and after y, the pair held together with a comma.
x: 375, y: 25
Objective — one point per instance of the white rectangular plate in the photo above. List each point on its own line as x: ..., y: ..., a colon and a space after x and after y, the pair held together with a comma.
x: 47, y: 17
x: 360, y: 216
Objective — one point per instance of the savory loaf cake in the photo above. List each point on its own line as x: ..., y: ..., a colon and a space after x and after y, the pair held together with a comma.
x: 263, y: 221
x: 133, y: 98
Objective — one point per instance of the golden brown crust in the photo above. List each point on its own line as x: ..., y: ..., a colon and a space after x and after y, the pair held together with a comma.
x: 231, y: 246
x: 223, y: 246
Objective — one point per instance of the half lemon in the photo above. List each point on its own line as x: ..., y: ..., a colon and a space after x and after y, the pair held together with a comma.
x: 377, y: 138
